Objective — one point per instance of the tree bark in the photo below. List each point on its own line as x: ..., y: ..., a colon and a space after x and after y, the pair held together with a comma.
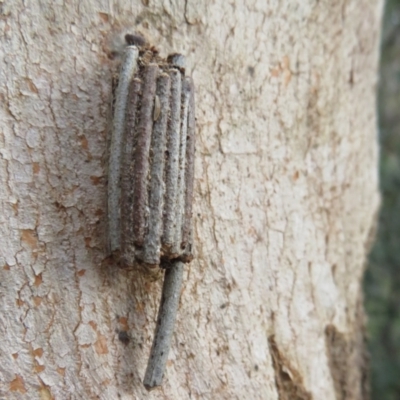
x: 285, y: 200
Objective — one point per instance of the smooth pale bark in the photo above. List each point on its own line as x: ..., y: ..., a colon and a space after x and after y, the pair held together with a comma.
x: 285, y: 199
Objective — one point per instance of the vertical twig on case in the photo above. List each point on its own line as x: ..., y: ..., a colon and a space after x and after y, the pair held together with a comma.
x: 180, y: 196
x: 127, y: 186
x: 141, y: 156
x: 165, y: 325
x: 172, y: 167
x: 189, y: 169
x: 128, y: 69
x: 152, y: 243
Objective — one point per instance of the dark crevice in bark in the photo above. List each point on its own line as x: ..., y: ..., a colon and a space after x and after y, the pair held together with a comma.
x: 289, y: 382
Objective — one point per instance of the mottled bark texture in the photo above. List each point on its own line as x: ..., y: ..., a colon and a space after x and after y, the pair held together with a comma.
x: 285, y: 195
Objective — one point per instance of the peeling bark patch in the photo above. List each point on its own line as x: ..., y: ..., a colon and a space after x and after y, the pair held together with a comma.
x: 17, y: 385
x: 289, y: 382
x: 93, y: 325
x: 84, y: 143
x: 39, y: 368
x: 38, y: 280
x: 124, y: 322
x: 99, y: 212
x: 96, y: 180
x: 37, y: 301
x: 45, y: 394
x: 275, y: 72
x: 38, y: 352
x: 101, y: 345
x: 348, y: 364
x: 32, y: 87
x: 29, y: 236
x: 287, y: 74
x: 103, y: 16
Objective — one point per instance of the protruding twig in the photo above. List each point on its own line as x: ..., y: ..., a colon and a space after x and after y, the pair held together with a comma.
x: 165, y: 325
x: 128, y: 69
x: 177, y: 60
x: 135, y: 40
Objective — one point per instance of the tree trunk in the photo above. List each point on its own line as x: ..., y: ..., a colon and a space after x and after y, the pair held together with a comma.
x: 285, y: 200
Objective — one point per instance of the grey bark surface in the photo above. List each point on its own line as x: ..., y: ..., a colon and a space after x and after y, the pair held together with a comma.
x: 285, y: 197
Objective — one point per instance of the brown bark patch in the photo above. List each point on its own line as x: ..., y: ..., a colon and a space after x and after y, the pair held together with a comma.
x: 39, y: 368
x: 32, y: 87
x: 99, y: 212
x: 29, y: 236
x: 17, y: 385
x: 124, y: 323
x: 103, y: 16
x: 45, y: 394
x: 93, y: 325
x: 37, y: 301
x: 38, y: 352
x: 96, y: 180
x: 101, y: 345
x: 20, y: 302
x: 36, y: 167
x: 288, y: 380
x: 38, y: 280
x: 84, y: 142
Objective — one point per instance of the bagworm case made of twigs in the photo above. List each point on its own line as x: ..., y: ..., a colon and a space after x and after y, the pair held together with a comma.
x: 151, y: 161
x: 150, y: 182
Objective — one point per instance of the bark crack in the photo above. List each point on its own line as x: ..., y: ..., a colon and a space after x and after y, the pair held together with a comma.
x: 289, y: 382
